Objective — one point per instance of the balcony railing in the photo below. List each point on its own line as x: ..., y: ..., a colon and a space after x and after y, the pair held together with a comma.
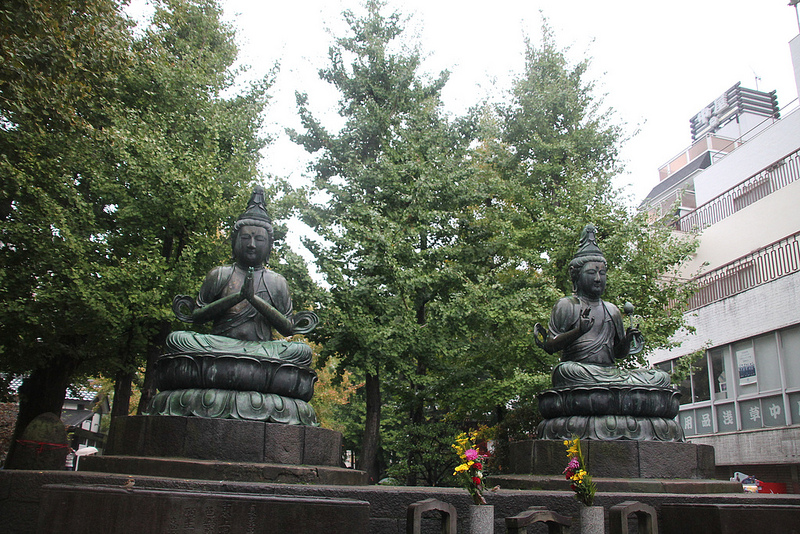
x: 774, y: 261
x: 761, y: 184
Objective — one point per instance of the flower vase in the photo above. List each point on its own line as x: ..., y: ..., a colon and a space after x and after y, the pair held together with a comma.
x: 592, y: 520
x: 481, y: 519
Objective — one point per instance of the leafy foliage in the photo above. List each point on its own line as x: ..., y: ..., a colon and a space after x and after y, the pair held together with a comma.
x: 445, y: 241
x: 394, y: 186
x: 124, y: 165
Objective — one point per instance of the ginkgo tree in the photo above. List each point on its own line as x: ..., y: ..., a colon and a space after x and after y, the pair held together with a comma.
x: 125, y: 155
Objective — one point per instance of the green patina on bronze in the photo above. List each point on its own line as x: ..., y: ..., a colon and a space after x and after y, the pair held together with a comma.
x: 239, y: 371
x: 592, y: 397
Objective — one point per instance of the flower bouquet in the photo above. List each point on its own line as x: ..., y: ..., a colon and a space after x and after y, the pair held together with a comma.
x: 576, y: 472
x: 470, y: 471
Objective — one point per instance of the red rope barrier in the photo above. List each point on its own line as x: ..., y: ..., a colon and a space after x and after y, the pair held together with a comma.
x: 41, y: 446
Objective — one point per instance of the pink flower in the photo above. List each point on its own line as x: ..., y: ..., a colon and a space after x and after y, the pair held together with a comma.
x: 471, y: 455
x: 574, y: 464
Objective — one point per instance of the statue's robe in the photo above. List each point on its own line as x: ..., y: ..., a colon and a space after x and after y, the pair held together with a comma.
x: 242, y: 329
x: 590, y: 359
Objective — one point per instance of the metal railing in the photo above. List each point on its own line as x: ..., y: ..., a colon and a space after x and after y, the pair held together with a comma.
x: 767, y: 181
x: 764, y: 265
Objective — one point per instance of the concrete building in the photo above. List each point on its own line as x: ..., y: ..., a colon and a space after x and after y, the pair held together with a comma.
x: 739, y: 186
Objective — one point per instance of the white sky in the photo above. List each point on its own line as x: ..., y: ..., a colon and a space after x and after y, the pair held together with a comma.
x: 658, y: 63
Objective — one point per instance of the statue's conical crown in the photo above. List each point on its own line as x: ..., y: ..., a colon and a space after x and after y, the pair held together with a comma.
x: 588, y: 244
x: 256, y: 209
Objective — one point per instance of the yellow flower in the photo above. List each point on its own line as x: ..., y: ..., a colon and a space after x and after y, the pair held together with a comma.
x: 461, y: 468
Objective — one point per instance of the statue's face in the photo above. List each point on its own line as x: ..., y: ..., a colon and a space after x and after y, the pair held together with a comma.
x: 252, y: 246
x: 592, y: 279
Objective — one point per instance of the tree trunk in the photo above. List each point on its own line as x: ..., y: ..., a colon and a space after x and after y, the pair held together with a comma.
x: 41, y: 392
x: 123, y: 382
x: 369, y: 447
x: 417, y: 418
x: 153, y: 352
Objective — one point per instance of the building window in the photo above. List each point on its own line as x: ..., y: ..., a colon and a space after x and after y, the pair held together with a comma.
x: 774, y: 414
x: 790, y: 349
x: 751, y: 384
x: 719, y: 373
x: 769, y: 373
x: 685, y: 389
x: 747, y: 372
x: 726, y: 418
x: 751, y: 415
x: 700, y: 388
x: 794, y: 406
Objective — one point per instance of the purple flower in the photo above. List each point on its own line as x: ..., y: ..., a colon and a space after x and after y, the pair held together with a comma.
x: 471, y: 455
x: 572, y: 466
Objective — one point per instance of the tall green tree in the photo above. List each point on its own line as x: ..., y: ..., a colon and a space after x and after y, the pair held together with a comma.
x: 188, y: 157
x: 60, y: 63
x: 554, y: 165
x: 393, y: 183
x: 547, y: 158
x: 123, y: 162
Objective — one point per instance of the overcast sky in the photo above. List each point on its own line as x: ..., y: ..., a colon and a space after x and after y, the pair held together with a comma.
x: 657, y: 63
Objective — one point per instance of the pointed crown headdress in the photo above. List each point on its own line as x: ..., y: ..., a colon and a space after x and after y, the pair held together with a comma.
x: 587, y: 249
x: 256, y: 212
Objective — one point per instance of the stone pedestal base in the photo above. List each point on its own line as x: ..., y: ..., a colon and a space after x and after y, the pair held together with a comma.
x: 610, y: 412
x: 610, y: 427
x: 616, y: 459
x: 223, y: 449
x: 180, y: 468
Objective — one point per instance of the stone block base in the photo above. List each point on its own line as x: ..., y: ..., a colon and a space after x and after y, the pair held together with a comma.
x: 616, y: 459
x: 227, y: 440
x: 75, y: 509
x: 200, y: 448
x: 686, y: 518
x: 21, y: 496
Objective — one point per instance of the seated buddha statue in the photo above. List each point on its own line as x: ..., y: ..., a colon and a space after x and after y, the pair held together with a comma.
x: 245, y: 301
x: 239, y: 370
x: 589, y: 331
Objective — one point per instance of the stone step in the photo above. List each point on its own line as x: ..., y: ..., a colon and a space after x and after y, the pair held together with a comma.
x: 618, y: 485
x: 229, y: 471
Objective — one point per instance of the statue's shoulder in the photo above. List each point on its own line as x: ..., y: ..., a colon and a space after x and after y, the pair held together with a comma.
x: 220, y: 275
x: 612, y: 309
x: 565, y: 313
x: 216, y: 280
x: 567, y: 303
x: 275, y: 280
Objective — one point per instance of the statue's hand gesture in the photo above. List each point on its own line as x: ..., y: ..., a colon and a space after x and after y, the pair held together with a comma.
x: 585, y: 322
x: 248, y: 291
x: 632, y: 332
x: 540, y: 335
